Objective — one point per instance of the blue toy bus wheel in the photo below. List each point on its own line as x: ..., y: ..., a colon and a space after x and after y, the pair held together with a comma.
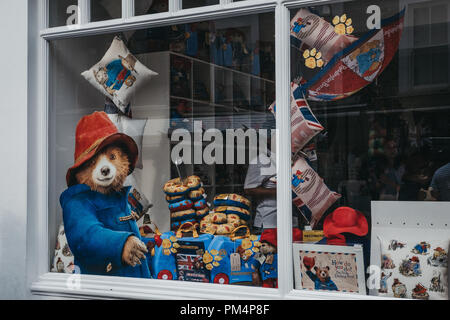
x: 221, y: 278
x: 165, y: 275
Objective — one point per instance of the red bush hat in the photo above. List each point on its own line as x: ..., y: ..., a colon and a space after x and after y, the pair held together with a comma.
x: 345, y: 219
x: 270, y: 236
x: 93, y: 133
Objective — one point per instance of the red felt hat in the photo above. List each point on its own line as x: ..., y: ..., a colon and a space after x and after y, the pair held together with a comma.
x: 345, y: 219
x: 270, y: 236
x: 93, y: 133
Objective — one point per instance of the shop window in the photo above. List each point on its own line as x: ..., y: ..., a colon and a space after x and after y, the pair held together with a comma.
x: 357, y: 138
x: 149, y: 7
x: 62, y: 12
x: 187, y: 4
x: 105, y: 10
x: 192, y: 100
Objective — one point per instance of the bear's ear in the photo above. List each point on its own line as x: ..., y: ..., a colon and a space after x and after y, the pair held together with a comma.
x: 328, y: 268
x: 316, y: 268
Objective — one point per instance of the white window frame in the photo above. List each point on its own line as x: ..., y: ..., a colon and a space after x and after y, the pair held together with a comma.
x: 43, y: 282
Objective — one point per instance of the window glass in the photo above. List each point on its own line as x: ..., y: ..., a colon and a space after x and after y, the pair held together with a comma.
x: 62, y: 12
x: 187, y: 4
x: 150, y: 6
x: 106, y: 10
x: 370, y: 122
x: 187, y: 106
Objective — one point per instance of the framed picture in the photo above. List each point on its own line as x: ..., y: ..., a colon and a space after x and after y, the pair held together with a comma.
x: 329, y: 268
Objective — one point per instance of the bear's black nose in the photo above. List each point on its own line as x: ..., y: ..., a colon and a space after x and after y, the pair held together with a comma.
x: 105, y: 171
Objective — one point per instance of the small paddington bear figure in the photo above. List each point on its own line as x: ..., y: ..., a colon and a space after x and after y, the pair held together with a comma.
x: 267, y: 262
x: 101, y: 229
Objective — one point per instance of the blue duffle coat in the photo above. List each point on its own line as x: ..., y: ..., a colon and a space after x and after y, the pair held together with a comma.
x: 97, y: 227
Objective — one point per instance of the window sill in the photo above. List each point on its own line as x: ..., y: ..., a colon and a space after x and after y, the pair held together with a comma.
x: 101, y: 287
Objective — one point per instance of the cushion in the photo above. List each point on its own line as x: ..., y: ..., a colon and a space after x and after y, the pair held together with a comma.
x: 182, y: 215
x: 111, y: 108
x: 414, y: 266
x: 315, y: 32
x: 310, y: 193
x: 118, y: 75
x: 304, y: 125
x: 232, y: 199
x: 63, y: 259
x: 180, y: 205
x: 131, y: 127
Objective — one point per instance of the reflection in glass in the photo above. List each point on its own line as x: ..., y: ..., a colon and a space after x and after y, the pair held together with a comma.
x: 187, y: 4
x: 106, y: 10
x: 62, y: 12
x: 150, y: 6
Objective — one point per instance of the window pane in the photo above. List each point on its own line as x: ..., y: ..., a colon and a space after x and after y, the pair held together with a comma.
x: 368, y: 107
x: 187, y: 4
x: 62, y: 12
x: 106, y: 10
x: 150, y: 6
x: 202, y: 120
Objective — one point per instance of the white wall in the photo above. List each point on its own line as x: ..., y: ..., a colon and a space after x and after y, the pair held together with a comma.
x: 13, y: 146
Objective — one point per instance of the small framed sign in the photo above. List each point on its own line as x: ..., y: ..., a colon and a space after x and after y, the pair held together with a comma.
x: 329, y: 268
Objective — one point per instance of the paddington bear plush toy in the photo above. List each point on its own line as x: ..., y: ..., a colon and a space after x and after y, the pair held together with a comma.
x: 267, y: 262
x: 100, y: 226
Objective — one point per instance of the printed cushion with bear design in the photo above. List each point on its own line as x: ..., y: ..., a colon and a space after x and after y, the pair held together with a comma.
x: 119, y: 74
x: 304, y: 124
x: 309, y: 192
x: 414, y: 268
x: 63, y: 260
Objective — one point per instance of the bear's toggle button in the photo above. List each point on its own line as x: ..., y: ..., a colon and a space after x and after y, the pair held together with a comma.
x: 109, y: 267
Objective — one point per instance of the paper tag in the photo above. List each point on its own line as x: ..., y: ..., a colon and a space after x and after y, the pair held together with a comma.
x: 312, y: 235
x: 260, y: 258
x: 235, y: 262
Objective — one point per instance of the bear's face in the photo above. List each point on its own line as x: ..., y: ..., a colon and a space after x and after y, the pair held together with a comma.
x: 106, y: 171
x: 267, y: 248
x: 322, y: 273
x: 101, y: 75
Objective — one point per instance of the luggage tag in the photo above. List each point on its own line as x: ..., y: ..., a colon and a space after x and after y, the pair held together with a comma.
x: 235, y: 262
x: 260, y: 258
